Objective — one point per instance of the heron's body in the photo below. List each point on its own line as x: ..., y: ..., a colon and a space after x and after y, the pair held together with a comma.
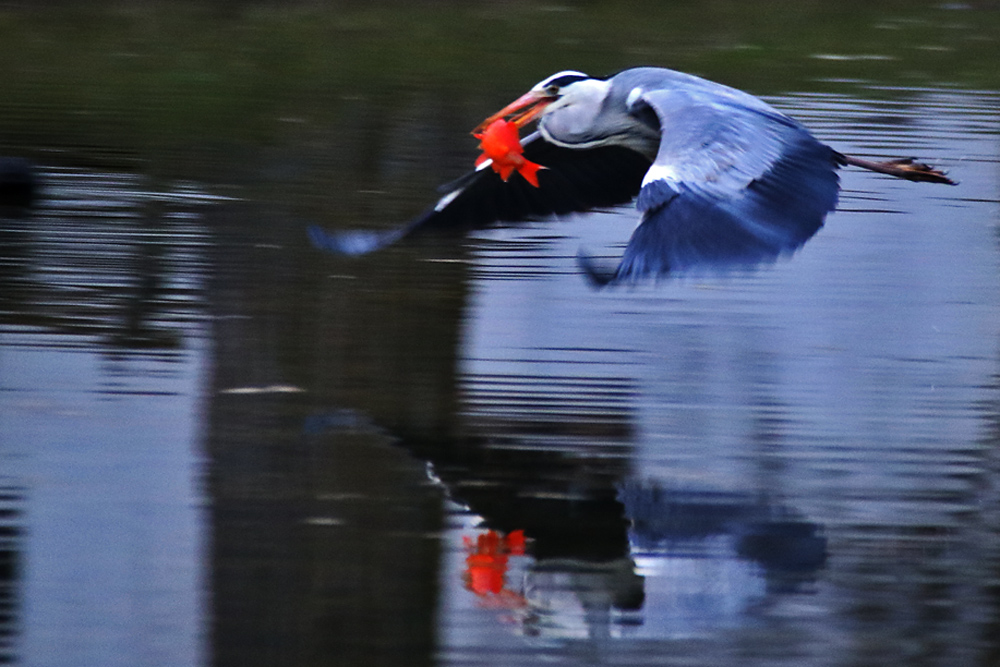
x: 719, y: 176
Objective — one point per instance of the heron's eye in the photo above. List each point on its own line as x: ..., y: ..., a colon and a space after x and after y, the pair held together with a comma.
x: 552, y: 90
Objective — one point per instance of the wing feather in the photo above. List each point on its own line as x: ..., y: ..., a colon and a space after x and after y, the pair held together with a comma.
x: 573, y: 180
x: 734, y: 182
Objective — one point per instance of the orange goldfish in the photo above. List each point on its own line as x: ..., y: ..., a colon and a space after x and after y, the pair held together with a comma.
x: 501, y: 144
x: 486, y: 566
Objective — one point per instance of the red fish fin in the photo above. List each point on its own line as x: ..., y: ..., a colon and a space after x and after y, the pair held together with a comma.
x: 529, y: 170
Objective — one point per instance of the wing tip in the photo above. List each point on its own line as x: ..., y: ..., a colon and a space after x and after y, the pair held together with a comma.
x: 350, y: 243
x: 598, y: 274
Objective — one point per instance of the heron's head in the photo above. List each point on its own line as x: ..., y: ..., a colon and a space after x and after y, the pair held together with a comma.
x: 567, y: 104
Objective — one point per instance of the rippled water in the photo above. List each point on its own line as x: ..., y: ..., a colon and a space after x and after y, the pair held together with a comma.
x: 101, y: 387
x: 220, y: 445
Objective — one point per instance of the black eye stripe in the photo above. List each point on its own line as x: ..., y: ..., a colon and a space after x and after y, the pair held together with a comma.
x: 561, y: 79
x: 565, y: 80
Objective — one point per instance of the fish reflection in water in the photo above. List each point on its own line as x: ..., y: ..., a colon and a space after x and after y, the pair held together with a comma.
x: 720, y: 177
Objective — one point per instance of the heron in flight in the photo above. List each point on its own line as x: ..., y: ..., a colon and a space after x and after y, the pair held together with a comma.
x: 719, y: 177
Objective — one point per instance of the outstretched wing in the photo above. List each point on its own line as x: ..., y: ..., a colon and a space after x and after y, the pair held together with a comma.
x: 734, y: 182
x: 572, y: 180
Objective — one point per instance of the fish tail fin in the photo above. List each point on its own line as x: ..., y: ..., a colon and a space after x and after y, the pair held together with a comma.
x: 529, y: 170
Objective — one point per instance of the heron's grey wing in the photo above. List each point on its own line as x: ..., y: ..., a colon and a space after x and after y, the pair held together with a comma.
x: 734, y: 182
x: 572, y: 180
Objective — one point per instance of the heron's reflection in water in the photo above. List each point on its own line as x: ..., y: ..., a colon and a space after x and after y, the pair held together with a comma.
x: 552, y: 555
x: 693, y: 562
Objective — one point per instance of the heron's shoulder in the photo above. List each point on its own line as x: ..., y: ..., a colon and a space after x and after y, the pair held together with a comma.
x: 655, y: 85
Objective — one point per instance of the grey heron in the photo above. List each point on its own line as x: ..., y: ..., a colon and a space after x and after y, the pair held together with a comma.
x: 719, y: 177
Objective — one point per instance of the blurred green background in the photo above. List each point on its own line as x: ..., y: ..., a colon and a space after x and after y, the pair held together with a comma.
x: 162, y: 83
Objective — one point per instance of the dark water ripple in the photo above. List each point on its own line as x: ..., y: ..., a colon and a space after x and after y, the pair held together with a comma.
x: 102, y: 256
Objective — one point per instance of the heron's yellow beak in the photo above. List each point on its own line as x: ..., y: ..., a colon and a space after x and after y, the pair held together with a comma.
x: 522, y: 111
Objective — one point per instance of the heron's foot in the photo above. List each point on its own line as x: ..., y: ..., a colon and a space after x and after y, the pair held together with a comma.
x: 906, y: 167
x: 912, y: 170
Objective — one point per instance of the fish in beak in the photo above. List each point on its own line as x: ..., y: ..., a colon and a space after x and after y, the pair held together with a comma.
x: 503, y: 152
x: 499, y: 140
